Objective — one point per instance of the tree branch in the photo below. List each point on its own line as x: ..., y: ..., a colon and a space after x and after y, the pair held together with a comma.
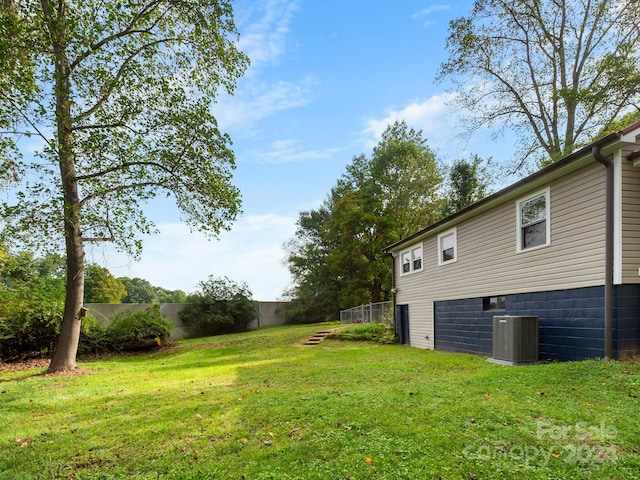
x: 119, y: 188
x: 117, y: 76
x: 129, y: 30
x: 24, y: 116
x: 124, y: 166
x: 95, y: 127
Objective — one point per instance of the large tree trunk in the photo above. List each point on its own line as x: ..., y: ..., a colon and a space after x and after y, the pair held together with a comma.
x: 64, y: 357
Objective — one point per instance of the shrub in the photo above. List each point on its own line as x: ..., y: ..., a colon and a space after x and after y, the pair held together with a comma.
x: 30, y: 318
x: 136, y: 326
x: 220, y: 306
x: 371, y: 332
x: 93, y: 338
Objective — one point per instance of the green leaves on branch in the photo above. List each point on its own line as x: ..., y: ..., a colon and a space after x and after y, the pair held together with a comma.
x: 141, y: 78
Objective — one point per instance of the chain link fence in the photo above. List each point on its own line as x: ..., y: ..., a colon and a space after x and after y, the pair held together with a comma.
x: 380, y: 312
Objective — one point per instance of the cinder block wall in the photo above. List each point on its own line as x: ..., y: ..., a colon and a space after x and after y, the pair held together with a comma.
x: 268, y: 314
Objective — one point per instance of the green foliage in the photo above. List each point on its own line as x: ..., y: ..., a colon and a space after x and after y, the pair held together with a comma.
x: 170, y: 296
x: 31, y: 302
x: 219, y: 306
x: 93, y: 338
x: 140, y: 290
x: 135, y: 326
x: 467, y: 183
x: 100, y: 286
x: 337, y: 256
x: 552, y: 72
x: 624, y: 121
x: 373, y: 332
x: 133, y: 130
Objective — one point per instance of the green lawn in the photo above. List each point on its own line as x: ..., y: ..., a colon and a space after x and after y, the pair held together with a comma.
x: 262, y: 406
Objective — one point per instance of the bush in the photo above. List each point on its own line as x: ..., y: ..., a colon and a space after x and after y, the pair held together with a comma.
x: 371, y: 332
x: 136, y: 326
x: 93, y: 338
x: 34, y: 335
x: 220, y: 306
x: 30, y: 318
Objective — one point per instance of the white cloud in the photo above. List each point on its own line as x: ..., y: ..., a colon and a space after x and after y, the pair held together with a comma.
x: 288, y: 151
x: 177, y: 259
x: 255, y: 101
x: 428, y: 11
x: 264, y: 39
x: 434, y: 116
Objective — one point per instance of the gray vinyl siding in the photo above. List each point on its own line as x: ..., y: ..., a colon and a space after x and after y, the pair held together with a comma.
x: 630, y: 222
x: 487, y: 262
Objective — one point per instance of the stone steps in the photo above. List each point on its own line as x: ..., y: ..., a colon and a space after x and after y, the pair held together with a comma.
x: 317, y: 338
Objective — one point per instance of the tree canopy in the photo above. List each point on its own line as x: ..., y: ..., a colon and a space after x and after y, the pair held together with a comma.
x: 336, y: 256
x: 467, y: 183
x: 100, y: 286
x: 140, y: 290
x: 555, y: 71
x: 119, y: 95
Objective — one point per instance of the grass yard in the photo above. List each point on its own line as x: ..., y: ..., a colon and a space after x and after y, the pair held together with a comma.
x: 262, y: 406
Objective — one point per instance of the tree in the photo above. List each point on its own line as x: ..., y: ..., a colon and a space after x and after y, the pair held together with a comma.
x: 170, y: 296
x: 120, y: 94
x: 625, y: 120
x: 378, y: 201
x: 100, y: 286
x: 314, y: 295
x: 337, y: 257
x: 138, y: 290
x: 467, y: 183
x: 555, y: 71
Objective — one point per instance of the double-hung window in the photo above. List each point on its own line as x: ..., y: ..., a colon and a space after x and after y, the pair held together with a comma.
x: 411, y: 260
x: 533, y: 221
x: 448, y: 247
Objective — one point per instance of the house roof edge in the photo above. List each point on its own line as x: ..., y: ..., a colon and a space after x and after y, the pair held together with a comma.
x: 563, y: 162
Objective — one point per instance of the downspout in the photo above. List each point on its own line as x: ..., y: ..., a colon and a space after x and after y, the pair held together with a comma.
x: 393, y: 292
x: 608, y: 248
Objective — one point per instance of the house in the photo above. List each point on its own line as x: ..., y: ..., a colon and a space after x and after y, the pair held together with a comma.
x: 562, y: 244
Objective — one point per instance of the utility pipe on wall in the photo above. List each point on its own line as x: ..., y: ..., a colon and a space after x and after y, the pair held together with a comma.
x: 608, y: 247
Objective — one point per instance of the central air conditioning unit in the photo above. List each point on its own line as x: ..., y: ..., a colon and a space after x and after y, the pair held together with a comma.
x: 515, y: 340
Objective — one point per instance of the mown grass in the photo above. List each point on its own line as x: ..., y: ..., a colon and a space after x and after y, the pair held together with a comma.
x: 262, y: 406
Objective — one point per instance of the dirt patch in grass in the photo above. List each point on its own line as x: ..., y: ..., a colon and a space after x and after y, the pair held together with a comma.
x: 24, y: 365
x: 33, y: 363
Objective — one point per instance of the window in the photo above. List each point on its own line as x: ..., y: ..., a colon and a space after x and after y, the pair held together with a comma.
x: 493, y: 303
x: 416, y: 255
x: 447, y: 247
x: 411, y: 260
x: 533, y: 221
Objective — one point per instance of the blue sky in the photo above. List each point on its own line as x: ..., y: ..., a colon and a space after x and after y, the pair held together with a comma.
x: 326, y: 78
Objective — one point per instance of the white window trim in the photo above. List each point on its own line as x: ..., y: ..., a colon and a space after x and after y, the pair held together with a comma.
x: 547, y: 201
x: 453, y: 231
x: 410, y: 251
